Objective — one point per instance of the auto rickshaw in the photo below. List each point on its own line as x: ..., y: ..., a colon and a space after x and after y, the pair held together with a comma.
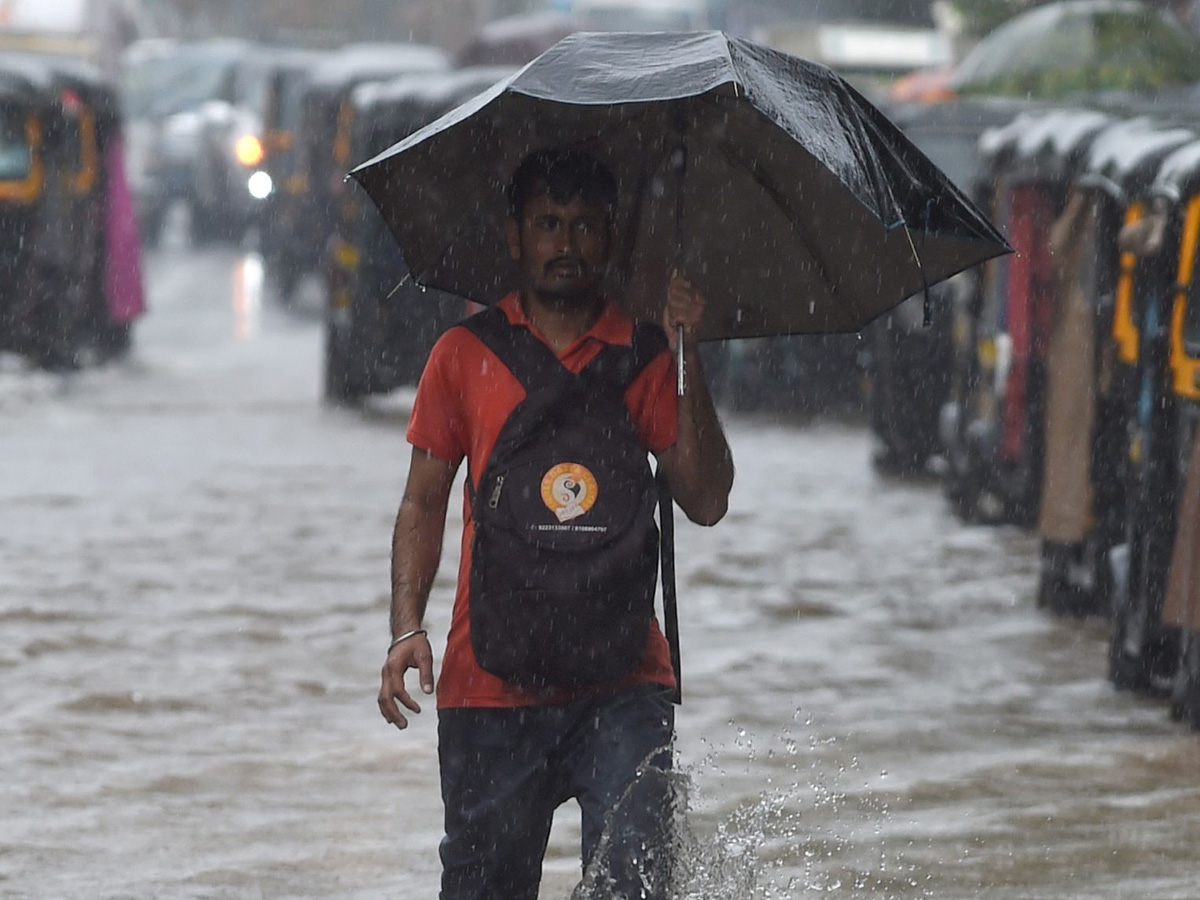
x: 325, y: 135
x: 193, y: 109
x: 62, y: 306
x: 1146, y: 638
x: 909, y: 361
x: 1082, y: 514
x: 24, y: 111
x: 282, y: 182
x: 380, y: 326
x: 993, y: 429
x: 1143, y: 649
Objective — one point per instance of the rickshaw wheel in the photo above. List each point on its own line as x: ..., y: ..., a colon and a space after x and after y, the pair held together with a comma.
x: 1127, y: 673
x: 1147, y: 673
x: 342, y: 384
x: 1185, y: 689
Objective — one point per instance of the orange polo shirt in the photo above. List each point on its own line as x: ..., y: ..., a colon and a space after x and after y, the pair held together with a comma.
x: 465, y: 396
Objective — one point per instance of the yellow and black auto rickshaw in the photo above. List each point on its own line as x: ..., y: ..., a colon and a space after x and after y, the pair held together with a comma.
x: 60, y: 116
x: 380, y: 326
x: 24, y: 111
x: 1175, y: 455
x: 1083, y: 513
x: 323, y: 142
x: 1144, y: 649
x: 282, y: 183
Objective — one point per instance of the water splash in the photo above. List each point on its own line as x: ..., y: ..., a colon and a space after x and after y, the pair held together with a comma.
x: 770, y: 848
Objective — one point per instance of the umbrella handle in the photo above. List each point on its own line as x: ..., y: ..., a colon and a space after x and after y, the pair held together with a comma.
x: 680, y: 374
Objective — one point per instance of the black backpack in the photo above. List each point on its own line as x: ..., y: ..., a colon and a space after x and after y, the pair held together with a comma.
x: 565, y: 554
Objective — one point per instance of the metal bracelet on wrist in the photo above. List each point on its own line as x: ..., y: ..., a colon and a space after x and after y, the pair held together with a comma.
x: 405, y: 637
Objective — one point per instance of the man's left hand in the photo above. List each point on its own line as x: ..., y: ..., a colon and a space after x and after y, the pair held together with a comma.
x: 685, y: 306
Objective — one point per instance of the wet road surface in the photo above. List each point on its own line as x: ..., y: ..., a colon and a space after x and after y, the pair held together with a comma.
x: 193, y: 595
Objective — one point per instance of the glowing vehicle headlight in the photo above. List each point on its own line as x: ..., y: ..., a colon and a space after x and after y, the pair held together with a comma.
x: 248, y: 150
x: 260, y: 185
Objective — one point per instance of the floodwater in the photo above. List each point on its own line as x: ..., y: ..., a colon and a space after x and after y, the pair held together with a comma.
x: 193, y: 598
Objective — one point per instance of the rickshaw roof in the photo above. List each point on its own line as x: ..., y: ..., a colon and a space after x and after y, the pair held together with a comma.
x: 49, y: 71
x: 1178, y: 177
x: 356, y: 63
x: 49, y: 75
x: 1125, y: 156
x: 19, y: 83
x: 402, y: 91
x: 973, y: 113
x: 282, y: 59
x: 222, y: 50
x: 394, y: 109
x: 430, y: 88
x: 1043, y: 144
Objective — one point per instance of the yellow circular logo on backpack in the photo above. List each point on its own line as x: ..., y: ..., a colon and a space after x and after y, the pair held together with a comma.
x: 569, y: 490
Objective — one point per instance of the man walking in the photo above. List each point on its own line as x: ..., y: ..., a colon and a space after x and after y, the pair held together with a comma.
x: 556, y: 681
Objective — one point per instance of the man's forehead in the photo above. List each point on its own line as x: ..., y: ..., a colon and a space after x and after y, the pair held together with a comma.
x: 545, y: 203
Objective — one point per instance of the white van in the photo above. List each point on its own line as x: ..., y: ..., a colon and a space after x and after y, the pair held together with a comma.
x: 91, y: 30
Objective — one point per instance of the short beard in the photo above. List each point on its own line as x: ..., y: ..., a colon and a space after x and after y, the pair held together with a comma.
x: 570, y: 298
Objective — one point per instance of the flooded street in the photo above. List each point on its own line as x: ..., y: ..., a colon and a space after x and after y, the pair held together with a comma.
x: 193, y: 594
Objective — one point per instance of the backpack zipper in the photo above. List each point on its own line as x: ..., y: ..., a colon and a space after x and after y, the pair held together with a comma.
x: 495, y: 500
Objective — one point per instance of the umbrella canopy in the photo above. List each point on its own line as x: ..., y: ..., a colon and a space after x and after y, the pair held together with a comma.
x: 1078, y: 46
x: 798, y: 209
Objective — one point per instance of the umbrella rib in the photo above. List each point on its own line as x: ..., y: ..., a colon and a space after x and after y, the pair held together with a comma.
x: 633, y: 229
x: 793, y: 220
x: 408, y: 276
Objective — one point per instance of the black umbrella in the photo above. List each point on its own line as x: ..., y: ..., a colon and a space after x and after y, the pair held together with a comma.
x: 786, y: 197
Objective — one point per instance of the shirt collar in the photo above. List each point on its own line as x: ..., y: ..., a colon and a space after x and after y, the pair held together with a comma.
x: 613, y: 326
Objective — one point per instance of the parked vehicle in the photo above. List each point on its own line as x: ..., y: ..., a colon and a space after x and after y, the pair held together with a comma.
x: 1144, y: 648
x: 1083, y: 507
x: 195, y: 113
x: 380, y: 326
x: 280, y: 180
x: 1178, y: 185
x: 63, y: 125
x: 25, y: 110
x: 324, y: 141
x: 994, y: 427
x: 88, y: 31
x: 910, y: 363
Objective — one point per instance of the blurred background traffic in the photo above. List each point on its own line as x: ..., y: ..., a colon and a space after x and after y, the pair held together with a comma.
x: 193, y: 556
x: 1056, y: 389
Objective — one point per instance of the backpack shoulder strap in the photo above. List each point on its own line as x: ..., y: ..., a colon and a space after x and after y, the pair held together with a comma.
x: 619, y: 365
x: 649, y: 340
x: 530, y: 361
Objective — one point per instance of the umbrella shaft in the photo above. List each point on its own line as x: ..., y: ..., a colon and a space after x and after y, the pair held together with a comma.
x: 680, y: 375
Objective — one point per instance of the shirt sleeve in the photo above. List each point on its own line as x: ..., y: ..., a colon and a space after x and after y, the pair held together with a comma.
x: 653, y: 404
x: 436, y: 422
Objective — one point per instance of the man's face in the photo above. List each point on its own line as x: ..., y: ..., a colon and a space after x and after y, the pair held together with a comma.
x: 562, y: 248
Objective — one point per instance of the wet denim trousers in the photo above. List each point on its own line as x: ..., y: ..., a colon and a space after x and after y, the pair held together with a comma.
x: 505, y: 771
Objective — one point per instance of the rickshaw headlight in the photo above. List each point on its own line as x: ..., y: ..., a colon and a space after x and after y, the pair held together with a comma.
x: 260, y: 185
x: 249, y: 150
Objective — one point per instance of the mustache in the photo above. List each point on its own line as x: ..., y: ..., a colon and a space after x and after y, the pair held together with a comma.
x: 567, y: 260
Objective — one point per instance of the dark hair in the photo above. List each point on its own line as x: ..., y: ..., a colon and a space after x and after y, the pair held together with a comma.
x: 564, y: 175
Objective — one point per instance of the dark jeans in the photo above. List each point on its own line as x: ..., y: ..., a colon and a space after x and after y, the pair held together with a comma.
x: 505, y: 771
